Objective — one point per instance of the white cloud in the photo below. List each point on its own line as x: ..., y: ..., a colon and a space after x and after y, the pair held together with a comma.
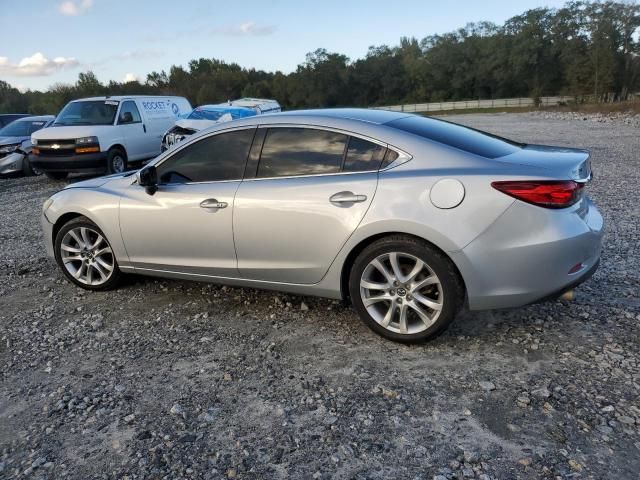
x: 37, y: 65
x: 245, y: 29
x: 130, y: 77
x: 73, y: 8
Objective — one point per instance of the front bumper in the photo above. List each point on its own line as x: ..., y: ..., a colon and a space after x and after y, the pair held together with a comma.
x: 527, y: 254
x: 85, y: 163
x: 12, y: 163
x: 47, y: 232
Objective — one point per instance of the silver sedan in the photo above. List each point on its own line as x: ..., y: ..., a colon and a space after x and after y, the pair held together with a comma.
x: 409, y: 218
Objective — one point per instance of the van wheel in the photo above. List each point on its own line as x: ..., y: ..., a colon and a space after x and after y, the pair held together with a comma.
x: 116, y: 161
x: 56, y: 175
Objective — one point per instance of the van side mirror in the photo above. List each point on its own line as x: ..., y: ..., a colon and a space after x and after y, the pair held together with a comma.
x: 126, y: 117
x: 148, y: 178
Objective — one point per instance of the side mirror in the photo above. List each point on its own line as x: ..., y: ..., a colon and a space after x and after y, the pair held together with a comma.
x: 126, y: 117
x: 148, y: 178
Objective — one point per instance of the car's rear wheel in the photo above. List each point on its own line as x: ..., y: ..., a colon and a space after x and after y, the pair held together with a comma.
x: 405, y: 289
x: 85, y: 256
x: 56, y: 175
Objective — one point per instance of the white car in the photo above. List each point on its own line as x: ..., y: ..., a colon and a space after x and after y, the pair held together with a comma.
x: 206, y: 116
x: 104, y: 134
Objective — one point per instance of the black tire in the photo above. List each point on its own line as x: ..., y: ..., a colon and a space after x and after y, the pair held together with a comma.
x: 27, y: 169
x: 451, y: 285
x: 116, y: 274
x: 56, y: 175
x: 116, y: 161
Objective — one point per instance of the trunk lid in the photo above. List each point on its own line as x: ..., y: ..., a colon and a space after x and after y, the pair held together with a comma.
x: 564, y: 163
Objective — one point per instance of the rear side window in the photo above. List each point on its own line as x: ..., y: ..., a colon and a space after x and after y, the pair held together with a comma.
x: 362, y: 156
x: 457, y: 136
x: 216, y: 158
x: 301, y: 151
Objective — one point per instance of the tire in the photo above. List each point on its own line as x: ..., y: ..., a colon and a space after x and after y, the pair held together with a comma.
x: 90, y: 262
x: 397, y: 296
x: 116, y: 161
x: 56, y: 175
x: 27, y: 169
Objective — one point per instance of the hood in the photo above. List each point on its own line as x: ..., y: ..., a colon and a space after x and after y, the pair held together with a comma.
x: 98, y: 181
x: 196, y: 125
x: 570, y: 163
x: 12, y: 140
x: 68, y: 132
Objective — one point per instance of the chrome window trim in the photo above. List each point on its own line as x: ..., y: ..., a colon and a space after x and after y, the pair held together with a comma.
x: 403, y: 156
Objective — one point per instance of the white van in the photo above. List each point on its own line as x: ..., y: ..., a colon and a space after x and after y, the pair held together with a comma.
x: 104, y: 134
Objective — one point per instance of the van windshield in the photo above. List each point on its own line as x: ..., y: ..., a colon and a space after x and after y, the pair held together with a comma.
x: 92, y: 112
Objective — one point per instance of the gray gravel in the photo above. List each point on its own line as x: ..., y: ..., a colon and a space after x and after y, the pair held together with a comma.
x: 167, y: 379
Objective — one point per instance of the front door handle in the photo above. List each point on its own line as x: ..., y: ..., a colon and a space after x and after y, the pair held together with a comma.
x: 213, y: 203
x: 347, y: 197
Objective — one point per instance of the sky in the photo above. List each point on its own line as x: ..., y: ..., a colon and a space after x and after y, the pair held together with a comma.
x: 51, y: 41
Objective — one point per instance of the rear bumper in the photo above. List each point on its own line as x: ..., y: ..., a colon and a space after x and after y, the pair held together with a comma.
x: 11, y: 163
x: 86, y: 162
x: 527, y: 254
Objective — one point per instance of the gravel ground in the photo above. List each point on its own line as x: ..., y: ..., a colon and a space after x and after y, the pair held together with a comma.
x: 169, y: 379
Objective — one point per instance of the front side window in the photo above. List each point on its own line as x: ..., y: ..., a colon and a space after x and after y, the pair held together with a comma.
x: 92, y: 112
x: 301, y: 151
x: 363, y: 156
x: 129, y: 113
x: 212, y: 159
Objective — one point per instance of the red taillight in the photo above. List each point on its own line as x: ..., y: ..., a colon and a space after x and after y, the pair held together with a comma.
x: 544, y: 193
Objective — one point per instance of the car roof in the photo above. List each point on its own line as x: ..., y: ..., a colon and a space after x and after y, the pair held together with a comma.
x: 221, y: 108
x: 367, y: 115
x: 36, y: 118
x: 123, y: 97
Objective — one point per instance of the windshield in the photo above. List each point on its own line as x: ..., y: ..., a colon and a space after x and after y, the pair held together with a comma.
x: 205, y: 115
x: 94, y: 112
x: 21, y: 128
x: 217, y: 114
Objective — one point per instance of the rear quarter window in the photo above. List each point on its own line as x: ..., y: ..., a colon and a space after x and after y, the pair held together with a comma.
x: 457, y: 136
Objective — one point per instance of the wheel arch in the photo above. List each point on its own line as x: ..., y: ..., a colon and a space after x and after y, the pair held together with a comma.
x: 120, y: 147
x: 61, y: 221
x: 364, y: 243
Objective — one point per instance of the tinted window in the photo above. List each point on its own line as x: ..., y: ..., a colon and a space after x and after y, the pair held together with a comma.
x: 362, y: 156
x: 389, y: 158
x: 129, y: 113
x: 22, y: 128
x: 215, y: 158
x: 464, y: 138
x: 301, y: 151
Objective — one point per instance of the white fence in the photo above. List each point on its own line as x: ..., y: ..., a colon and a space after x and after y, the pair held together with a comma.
x: 467, y: 104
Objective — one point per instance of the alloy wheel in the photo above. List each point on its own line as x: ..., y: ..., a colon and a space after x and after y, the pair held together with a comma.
x: 87, y: 256
x: 401, y: 293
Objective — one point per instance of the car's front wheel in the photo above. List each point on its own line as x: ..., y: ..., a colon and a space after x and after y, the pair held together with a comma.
x: 85, y: 256
x: 405, y: 289
x: 29, y: 170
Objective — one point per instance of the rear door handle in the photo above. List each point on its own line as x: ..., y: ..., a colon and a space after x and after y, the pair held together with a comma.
x: 144, y: 127
x: 213, y: 204
x: 347, y: 197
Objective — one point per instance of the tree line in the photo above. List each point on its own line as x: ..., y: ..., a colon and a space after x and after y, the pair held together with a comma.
x: 583, y: 48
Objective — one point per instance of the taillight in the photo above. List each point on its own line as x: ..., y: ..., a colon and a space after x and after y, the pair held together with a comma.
x: 544, y: 193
